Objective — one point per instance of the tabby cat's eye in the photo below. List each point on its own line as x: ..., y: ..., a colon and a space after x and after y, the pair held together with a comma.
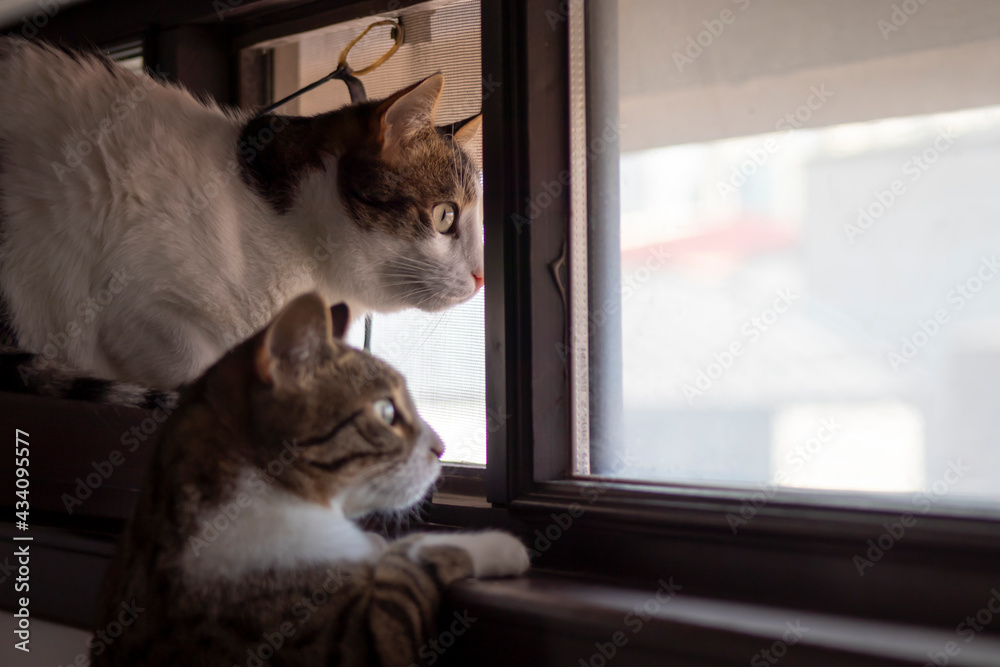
x: 385, y: 410
x: 443, y: 217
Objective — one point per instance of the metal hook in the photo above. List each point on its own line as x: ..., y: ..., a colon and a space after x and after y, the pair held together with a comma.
x: 396, y: 34
x: 344, y: 71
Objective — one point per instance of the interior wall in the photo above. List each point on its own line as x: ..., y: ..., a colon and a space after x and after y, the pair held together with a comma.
x: 51, y: 645
x: 711, y: 80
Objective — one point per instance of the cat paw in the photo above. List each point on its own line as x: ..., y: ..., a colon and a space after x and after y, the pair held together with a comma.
x: 493, y: 553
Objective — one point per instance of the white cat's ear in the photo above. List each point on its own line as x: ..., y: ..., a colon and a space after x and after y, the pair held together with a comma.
x: 466, y: 135
x: 409, y: 111
x: 297, y: 341
x: 341, y: 318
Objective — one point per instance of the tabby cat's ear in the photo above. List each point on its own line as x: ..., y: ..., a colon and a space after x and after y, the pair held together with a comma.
x: 341, y: 316
x: 408, y: 112
x: 296, y: 342
x: 466, y: 134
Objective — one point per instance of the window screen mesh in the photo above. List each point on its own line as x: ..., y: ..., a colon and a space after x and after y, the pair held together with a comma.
x: 442, y: 355
x: 808, y: 196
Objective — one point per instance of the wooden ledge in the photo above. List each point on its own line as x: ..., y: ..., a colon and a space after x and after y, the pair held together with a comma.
x: 551, y: 620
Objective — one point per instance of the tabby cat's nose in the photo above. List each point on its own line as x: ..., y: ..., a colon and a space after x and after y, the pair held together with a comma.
x: 437, y: 447
x: 479, y: 280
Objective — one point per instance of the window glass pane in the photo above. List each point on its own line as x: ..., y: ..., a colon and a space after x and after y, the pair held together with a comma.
x: 810, y: 244
x: 440, y: 354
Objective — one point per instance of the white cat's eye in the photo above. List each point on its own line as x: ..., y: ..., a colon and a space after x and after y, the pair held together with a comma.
x: 443, y: 217
x: 385, y: 410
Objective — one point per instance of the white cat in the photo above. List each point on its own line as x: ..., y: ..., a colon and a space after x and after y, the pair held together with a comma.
x: 143, y: 232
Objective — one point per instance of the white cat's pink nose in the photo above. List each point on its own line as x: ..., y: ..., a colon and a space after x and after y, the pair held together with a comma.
x: 479, y: 281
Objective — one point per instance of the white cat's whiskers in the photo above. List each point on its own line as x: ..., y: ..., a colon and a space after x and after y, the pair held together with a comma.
x: 407, y: 263
x: 430, y: 332
x: 397, y: 270
x: 406, y: 258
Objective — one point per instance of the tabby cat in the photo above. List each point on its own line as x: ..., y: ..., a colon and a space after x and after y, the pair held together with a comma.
x: 243, y: 547
x: 144, y: 232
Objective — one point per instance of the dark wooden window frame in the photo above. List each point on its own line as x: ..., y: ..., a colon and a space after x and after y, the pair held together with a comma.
x: 796, y: 551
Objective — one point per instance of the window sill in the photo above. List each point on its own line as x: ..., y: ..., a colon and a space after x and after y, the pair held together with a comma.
x: 550, y: 620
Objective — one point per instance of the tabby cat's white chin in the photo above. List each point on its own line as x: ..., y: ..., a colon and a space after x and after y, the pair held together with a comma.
x: 393, y: 489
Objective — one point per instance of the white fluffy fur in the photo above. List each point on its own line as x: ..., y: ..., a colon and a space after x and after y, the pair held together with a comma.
x: 158, y: 198
x: 279, y: 531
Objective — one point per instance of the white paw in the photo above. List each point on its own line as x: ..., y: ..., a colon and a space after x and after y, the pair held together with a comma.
x: 493, y: 553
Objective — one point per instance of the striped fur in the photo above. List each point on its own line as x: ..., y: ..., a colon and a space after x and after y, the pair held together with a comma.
x: 244, y: 550
x: 29, y: 373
